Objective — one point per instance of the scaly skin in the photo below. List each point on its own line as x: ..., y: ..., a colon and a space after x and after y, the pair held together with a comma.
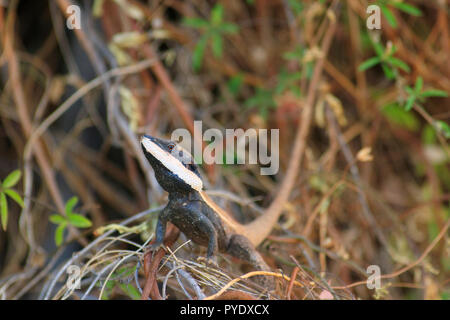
x: 196, y: 215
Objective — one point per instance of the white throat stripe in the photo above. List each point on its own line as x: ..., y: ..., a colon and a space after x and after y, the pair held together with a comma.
x: 173, y: 164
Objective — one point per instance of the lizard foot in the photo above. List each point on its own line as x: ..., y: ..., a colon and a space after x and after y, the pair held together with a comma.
x: 154, y: 247
x: 208, y: 261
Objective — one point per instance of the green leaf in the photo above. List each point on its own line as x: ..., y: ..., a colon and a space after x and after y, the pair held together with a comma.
x: 392, y: 50
x: 4, y: 210
x: 217, y: 45
x: 433, y: 230
x: 78, y: 220
x: 131, y: 291
x: 296, y: 6
x: 410, y: 91
x: 235, y: 83
x: 57, y: 219
x: 407, y: 8
x: 263, y: 100
x: 444, y: 128
x: 369, y: 63
x: 228, y: 28
x: 261, y: 97
x: 195, y: 23
x: 434, y: 93
x: 70, y: 204
x: 308, y: 70
x: 399, y: 64
x: 400, y: 117
x: 389, y: 16
x: 109, y: 286
x: 12, y: 179
x: 287, y: 81
x: 217, y: 14
x: 418, y: 85
x: 15, y: 196
x: 199, y: 52
x: 388, y: 72
x: 59, y: 234
x: 410, y: 103
x: 296, y: 54
x: 428, y: 134
x: 378, y: 49
x: 124, y: 272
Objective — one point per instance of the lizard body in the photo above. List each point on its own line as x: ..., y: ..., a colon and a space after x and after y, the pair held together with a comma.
x: 196, y: 214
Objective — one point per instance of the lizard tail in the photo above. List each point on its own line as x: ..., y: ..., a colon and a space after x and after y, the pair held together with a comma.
x: 257, y: 230
x: 260, y: 228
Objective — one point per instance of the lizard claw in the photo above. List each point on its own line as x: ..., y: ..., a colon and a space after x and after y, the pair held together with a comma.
x: 154, y: 247
x: 208, y: 261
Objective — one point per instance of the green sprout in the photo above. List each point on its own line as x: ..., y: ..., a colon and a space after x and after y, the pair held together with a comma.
x: 121, y: 278
x: 385, y: 57
x: 234, y: 84
x: 288, y: 81
x: 298, y: 55
x: 402, y: 6
x: 5, y: 190
x: 212, y: 31
x: 296, y: 6
x: 418, y: 95
x: 263, y: 100
x: 72, y: 218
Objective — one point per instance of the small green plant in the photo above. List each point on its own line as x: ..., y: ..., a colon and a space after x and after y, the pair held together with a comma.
x: 296, y: 6
x: 288, y: 81
x: 263, y: 100
x: 385, y: 57
x: 399, y: 116
x: 398, y: 112
x: 121, y: 278
x: 416, y: 95
x: 235, y: 83
x: 5, y: 190
x: 212, y: 30
x: 298, y: 55
x: 402, y: 6
x: 443, y: 127
x: 74, y: 219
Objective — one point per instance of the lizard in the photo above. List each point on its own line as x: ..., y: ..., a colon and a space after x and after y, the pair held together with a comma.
x: 192, y: 211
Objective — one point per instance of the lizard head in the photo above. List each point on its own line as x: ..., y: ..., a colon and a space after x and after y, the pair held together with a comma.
x: 174, y: 167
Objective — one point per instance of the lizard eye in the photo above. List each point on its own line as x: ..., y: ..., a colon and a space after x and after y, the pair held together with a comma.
x: 171, y: 146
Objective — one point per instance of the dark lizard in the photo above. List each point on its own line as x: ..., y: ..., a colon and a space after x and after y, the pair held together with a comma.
x: 196, y: 215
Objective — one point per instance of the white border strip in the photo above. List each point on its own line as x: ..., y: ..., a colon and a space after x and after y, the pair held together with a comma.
x: 173, y: 164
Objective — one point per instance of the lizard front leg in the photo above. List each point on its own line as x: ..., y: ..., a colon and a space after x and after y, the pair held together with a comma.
x: 211, y: 234
x: 189, y: 218
x: 202, y: 231
x: 160, y: 231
